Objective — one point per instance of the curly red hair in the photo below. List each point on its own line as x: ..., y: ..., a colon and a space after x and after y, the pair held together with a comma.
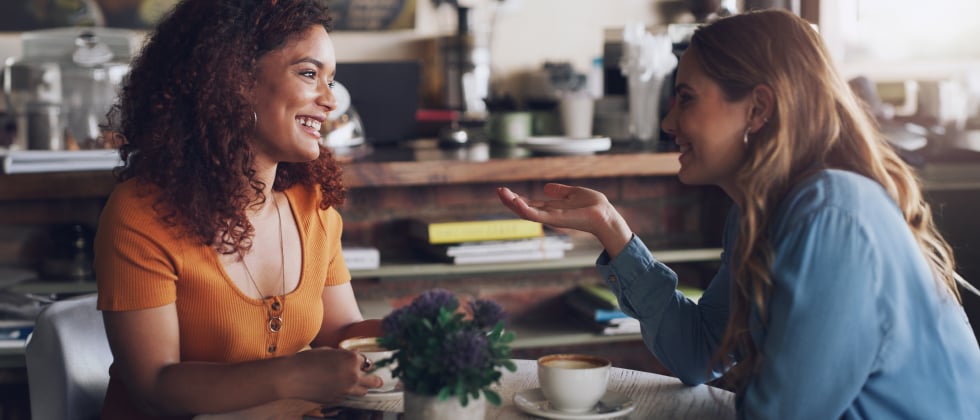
x: 185, y: 113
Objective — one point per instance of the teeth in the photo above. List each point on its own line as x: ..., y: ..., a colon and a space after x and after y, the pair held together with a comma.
x: 309, y: 122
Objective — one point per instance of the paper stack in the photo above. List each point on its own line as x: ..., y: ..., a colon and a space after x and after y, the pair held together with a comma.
x: 361, y: 257
x: 550, y: 246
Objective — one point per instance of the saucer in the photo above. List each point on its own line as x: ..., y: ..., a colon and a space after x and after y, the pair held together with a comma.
x: 395, y: 393
x: 567, y: 145
x: 613, y: 404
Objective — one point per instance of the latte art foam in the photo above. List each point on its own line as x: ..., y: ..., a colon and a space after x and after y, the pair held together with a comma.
x: 571, y: 364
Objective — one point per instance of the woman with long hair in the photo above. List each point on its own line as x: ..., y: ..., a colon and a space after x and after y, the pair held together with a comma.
x: 836, y: 297
x: 218, y: 254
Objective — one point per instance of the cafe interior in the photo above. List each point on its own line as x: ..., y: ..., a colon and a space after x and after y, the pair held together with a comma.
x: 439, y: 103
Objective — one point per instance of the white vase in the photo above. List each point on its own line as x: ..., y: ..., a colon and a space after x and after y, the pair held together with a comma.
x: 429, y: 407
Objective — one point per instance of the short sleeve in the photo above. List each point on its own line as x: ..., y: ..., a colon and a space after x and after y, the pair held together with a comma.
x: 135, y: 254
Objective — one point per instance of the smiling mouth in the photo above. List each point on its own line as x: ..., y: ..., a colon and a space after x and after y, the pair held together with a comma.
x: 310, y: 122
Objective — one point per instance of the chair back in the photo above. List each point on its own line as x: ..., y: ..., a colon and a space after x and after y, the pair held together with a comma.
x: 68, y: 360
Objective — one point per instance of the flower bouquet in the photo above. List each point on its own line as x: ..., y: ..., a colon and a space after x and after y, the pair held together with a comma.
x: 440, y: 351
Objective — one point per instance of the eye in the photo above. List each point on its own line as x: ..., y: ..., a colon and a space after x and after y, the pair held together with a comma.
x: 684, y: 97
x: 311, y: 74
x: 331, y: 84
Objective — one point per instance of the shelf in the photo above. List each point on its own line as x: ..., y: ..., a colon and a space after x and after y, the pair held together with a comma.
x: 412, y: 270
x: 528, y: 334
x: 577, y: 259
x: 556, y: 334
x: 580, y: 259
x: 12, y: 354
x: 950, y: 176
x: 357, y: 174
x: 438, y: 172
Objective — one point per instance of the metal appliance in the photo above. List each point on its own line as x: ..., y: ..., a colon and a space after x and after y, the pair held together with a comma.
x: 60, y: 90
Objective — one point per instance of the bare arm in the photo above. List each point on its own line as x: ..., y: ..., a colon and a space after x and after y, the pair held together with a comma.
x: 146, y: 348
x: 342, y: 318
x: 574, y: 208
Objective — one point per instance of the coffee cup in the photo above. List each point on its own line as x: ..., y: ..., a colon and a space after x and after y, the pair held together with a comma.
x: 577, y: 112
x: 369, y: 347
x: 573, y: 383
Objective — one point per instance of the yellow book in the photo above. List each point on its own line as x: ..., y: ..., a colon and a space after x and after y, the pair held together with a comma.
x: 448, y: 232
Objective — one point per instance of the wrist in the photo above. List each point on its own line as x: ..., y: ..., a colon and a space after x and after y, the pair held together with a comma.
x: 615, y: 238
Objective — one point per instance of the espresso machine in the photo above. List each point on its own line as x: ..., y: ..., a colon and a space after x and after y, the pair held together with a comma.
x: 59, y: 91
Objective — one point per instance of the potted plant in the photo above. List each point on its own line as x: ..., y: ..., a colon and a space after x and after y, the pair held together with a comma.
x: 447, y: 359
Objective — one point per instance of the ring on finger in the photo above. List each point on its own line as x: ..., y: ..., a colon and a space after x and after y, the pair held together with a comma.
x: 367, y: 364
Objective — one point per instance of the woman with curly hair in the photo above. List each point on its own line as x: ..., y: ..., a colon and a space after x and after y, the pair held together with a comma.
x: 837, y: 296
x: 218, y: 254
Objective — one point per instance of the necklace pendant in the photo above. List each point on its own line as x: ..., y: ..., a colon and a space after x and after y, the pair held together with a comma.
x: 275, y: 323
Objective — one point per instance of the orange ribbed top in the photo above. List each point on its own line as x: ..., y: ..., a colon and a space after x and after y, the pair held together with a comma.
x: 142, y: 263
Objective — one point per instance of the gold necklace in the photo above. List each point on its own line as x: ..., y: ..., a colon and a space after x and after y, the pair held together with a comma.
x: 278, y: 305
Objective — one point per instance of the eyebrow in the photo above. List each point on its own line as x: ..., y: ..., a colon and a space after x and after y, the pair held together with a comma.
x: 317, y: 63
x: 310, y: 60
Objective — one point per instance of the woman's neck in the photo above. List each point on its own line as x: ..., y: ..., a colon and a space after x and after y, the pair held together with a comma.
x: 267, y: 176
x: 732, y: 192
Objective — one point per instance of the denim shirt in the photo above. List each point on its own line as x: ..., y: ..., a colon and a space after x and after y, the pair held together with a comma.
x: 857, y: 326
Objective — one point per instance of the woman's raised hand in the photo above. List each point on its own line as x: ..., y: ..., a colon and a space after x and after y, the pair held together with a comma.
x: 576, y: 208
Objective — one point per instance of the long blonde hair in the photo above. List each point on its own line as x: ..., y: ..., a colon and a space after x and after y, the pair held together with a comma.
x: 817, y: 122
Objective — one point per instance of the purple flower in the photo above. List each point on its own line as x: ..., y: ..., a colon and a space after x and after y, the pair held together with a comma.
x: 450, y: 354
x: 395, y: 323
x: 464, y: 350
x: 486, y: 313
x: 427, y: 305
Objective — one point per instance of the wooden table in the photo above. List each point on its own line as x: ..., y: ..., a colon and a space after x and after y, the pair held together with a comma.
x: 655, y: 397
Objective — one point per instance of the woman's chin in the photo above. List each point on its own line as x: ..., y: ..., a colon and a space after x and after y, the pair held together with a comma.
x: 310, y: 154
x: 688, y: 176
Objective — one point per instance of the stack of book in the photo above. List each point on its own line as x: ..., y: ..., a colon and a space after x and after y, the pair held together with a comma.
x: 596, y: 306
x: 489, y: 241
x: 598, y: 309
x: 361, y: 257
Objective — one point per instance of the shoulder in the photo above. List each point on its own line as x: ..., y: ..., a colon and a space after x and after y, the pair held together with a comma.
x: 833, y: 190
x: 132, y: 201
x: 132, y: 191
x: 132, y: 211
x: 306, y: 199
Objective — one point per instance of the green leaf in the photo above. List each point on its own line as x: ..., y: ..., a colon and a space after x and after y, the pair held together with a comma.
x: 492, y: 397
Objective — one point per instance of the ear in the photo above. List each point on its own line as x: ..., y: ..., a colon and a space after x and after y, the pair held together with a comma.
x: 763, y: 106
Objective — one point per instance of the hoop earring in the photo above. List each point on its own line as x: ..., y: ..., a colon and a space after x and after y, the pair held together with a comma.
x: 255, y: 119
x: 745, y: 137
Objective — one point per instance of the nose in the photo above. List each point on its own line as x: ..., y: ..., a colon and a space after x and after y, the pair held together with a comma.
x: 325, y: 97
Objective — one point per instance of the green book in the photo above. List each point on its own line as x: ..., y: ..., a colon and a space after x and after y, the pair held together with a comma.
x: 604, y: 298
x: 600, y: 295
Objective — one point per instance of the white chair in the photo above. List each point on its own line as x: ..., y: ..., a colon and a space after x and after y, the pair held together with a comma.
x: 68, y: 360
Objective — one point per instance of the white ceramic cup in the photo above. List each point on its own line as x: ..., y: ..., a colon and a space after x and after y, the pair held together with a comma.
x: 368, y: 346
x: 573, y: 383
x: 576, y: 115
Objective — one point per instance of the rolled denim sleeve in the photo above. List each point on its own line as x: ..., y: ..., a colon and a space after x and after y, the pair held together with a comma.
x: 682, y: 334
